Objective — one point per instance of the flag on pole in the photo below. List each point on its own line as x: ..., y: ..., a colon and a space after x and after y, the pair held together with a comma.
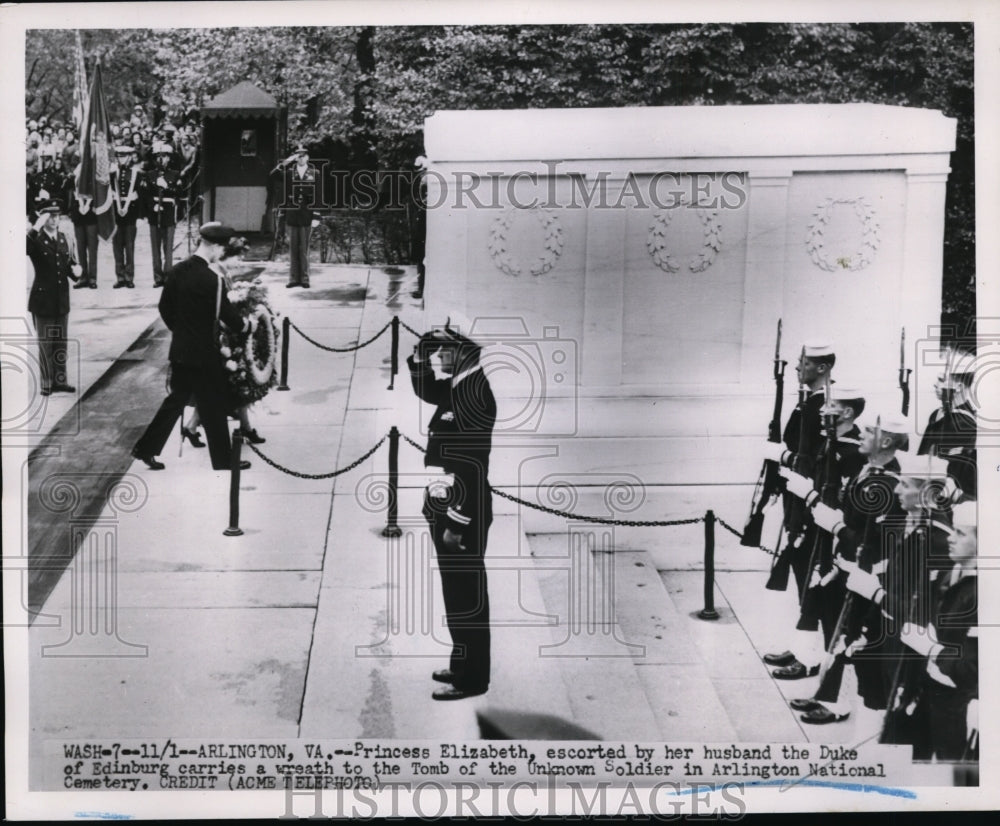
x: 94, y: 173
x: 79, y: 85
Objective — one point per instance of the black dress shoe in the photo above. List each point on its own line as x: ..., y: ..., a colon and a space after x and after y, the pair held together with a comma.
x: 794, y: 671
x: 784, y: 658
x: 453, y: 693
x: 92, y: 285
x: 804, y: 704
x: 304, y: 284
x: 244, y: 465
x: 253, y: 437
x: 292, y: 284
x: 81, y: 285
x: 63, y: 388
x: 130, y: 285
x: 192, y: 436
x: 443, y: 676
x: 150, y: 461
x: 157, y: 284
x: 118, y: 285
x: 822, y: 715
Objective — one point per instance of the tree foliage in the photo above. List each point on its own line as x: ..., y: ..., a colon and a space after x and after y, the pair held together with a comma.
x: 364, y: 92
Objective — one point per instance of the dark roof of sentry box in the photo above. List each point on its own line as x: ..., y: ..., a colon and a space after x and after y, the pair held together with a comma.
x: 243, y: 100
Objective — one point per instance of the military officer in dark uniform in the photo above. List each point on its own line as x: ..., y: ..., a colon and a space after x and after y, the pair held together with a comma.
x: 127, y: 188
x: 44, y: 186
x: 161, y: 210
x: 459, y: 508
x: 951, y: 429
x: 55, y: 266
x: 302, y: 190
x: 192, y: 302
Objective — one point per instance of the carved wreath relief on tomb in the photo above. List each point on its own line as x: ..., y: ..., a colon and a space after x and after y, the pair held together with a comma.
x: 552, y: 242
x: 656, y: 240
x: 865, y: 235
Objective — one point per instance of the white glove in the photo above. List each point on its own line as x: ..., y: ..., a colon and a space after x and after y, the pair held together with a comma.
x: 855, y: 646
x: 972, y: 722
x: 77, y: 270
x: 796, y: 484
x: 161, y: 182
x: 315, y: 223
x: 40, y: 221
x: 43, y: 195
x: 862, y: 583
x: 826, y: 517
x: 773, y: 451
x: 918, y: 638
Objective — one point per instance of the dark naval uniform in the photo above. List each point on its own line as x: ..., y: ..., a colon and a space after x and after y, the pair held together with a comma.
x: 127, y: 186
x: 951, y: 679
x: 459, y: 442
x: 822, y: 603
x: 804, y: 429
x: 951, y: 436
x: 52, y: 259
x: 912, y: 552
x: 867, y: 501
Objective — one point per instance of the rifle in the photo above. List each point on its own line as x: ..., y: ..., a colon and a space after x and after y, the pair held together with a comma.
x: 829, y: 676
x: 904, y: 373
x: 795, y: 512
x: 768, y: 481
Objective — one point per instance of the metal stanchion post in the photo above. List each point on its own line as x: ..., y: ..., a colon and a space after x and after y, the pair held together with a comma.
x: 286, y: 328
x: 391, y: 528
x: 709, y: 612
x: 234, y: 488
x: 394, y: 354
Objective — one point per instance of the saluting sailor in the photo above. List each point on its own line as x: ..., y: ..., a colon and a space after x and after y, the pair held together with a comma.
x: 458, y: 507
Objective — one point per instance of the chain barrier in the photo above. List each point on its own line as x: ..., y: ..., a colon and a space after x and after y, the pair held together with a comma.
x: 567, y: 515
x: 330, y: 475
x: 408, y: 328
x: 739, y: 535
x: 340, y: 349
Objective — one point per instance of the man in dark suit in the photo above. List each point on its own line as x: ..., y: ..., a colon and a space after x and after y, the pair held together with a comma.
x: 55, y: 265
x: 192, y: 302
x: 459, y: 508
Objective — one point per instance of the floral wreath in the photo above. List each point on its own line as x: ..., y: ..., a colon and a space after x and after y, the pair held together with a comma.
x: 656, y: 241
x: 815, y: 244
x: 553, y: 243
x: 250, y: 356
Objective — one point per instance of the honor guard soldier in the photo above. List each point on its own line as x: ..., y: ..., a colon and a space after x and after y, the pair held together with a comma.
x: 913, y: 549
x: 803, y: 444
x: 867, y: 500
x: 302, y: 194
x: 55, y: 266
x: 458, y: 506
x: 949, y: 699
x: 951, y: 429
x: 127, y: 187
x: 161, y: 210
x: 81, y: 213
